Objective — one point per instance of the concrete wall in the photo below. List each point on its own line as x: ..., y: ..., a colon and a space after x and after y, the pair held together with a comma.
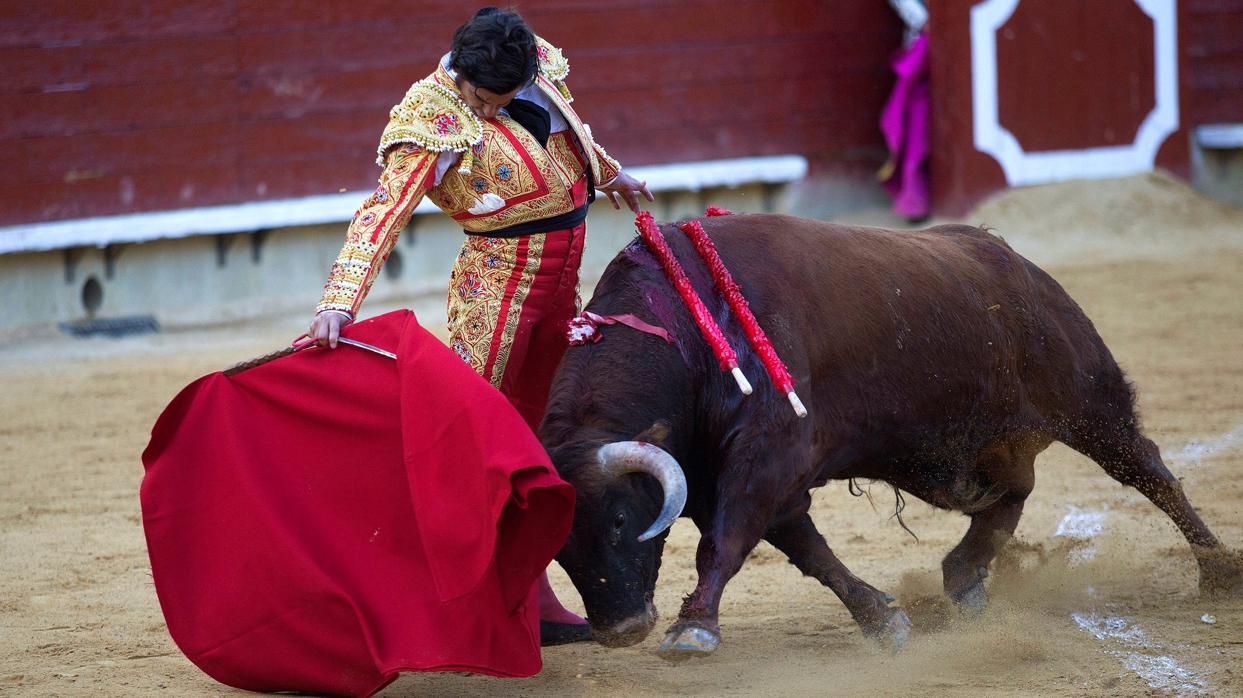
x: 1218, y: 172
x: 213, y: 278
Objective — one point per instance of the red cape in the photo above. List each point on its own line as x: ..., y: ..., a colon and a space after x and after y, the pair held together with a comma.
x: 329, y: 519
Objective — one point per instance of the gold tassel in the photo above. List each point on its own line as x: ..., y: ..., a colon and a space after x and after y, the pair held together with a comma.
x: 467, y: 163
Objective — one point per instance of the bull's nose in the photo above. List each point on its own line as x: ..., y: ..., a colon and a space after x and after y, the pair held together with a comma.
x: 626, y: 632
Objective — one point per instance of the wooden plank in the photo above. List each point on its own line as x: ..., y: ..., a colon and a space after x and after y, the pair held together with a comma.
x: 598, y: 19
x: 743, y: 22
x: 394, y: 17
x: 60, y: 68
x: 771, y: 107
x: 1212, y: 79
x: 332, y: 49
x: 119, y: 108
x: 26, y: 203
x: 58, y: 159
x: 287, y: 96
x: 717, y: 64
x: 276, y: 180
x: 67, y: 22
x: 351, y: 135
x: 169, y: 187
x: 1212, y: 8
x: 673, y: 144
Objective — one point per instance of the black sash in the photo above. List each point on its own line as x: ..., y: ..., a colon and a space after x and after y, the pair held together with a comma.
x: 568, y: 219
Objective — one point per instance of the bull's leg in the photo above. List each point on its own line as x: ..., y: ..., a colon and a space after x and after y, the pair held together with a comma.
x: 1132, y: 459
x: 966, y: 566
x: 753, y: 482
x: 808, y: 551
x: 732, y: 532
x: 1009, y: 470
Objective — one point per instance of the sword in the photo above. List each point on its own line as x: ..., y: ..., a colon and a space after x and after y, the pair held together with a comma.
x: 286, y: 351
x: 368, y: 347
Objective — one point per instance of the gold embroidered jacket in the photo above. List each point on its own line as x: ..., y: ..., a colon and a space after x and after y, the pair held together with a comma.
x: 504, y: 177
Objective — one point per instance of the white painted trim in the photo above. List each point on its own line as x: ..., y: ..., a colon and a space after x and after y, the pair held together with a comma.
x: 1220, y: 136
x: 337, y: 208
x: 1023, y: 168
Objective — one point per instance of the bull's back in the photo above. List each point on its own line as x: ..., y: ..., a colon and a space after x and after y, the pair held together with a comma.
x: 905, y: 329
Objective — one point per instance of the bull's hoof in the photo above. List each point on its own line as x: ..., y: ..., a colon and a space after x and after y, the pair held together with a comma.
x: 892, y: 634
x: 687, y: 640
x: 974, y: 599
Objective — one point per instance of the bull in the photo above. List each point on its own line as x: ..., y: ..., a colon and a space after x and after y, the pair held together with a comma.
x: 939, y: 361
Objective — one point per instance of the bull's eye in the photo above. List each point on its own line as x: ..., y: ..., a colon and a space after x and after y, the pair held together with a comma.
x: 619, y: 521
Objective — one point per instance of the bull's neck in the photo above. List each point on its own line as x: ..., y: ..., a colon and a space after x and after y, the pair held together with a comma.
x: 604, y: 401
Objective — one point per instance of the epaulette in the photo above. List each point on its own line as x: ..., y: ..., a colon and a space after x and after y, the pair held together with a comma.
x: 433, y: 117
x: 552, y: 64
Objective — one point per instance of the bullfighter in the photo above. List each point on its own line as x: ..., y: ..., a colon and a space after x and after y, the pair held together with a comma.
x: 491, y: 137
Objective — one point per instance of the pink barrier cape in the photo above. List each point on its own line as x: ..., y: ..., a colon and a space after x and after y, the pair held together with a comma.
x: 907, y: 127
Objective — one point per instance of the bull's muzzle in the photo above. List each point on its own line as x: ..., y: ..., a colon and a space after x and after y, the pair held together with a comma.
x: 627, y: 632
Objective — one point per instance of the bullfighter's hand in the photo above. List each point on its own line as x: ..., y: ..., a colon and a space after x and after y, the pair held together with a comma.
x: 325, y: 329
x: 628, y: 188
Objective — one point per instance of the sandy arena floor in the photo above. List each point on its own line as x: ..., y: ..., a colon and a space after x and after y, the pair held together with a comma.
x: 1160, y: 272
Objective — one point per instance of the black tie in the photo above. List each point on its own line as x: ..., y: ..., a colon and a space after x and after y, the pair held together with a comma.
x: 532, y: 117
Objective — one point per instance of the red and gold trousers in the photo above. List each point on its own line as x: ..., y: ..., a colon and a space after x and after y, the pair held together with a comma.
x: 510, y: 300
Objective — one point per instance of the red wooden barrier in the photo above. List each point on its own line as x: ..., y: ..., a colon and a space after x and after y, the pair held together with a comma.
x: 116, y: 106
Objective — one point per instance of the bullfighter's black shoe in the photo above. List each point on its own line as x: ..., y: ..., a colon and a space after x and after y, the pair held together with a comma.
x: 551, y: 634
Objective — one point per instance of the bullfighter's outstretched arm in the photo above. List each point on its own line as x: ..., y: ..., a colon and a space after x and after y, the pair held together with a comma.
x: 409, y: 171
x: 617, y: 184
x: 609, y: 167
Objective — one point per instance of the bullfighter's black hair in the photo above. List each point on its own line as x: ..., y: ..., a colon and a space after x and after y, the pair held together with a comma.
x: 495, y: 50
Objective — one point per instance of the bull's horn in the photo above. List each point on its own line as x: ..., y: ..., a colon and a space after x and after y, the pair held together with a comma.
x: 638, y: 457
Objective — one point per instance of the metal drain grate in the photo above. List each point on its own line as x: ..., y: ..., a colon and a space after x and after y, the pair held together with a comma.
x: 112, y: 327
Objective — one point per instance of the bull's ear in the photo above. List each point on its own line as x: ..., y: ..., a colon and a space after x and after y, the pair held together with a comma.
x: 657, y: 434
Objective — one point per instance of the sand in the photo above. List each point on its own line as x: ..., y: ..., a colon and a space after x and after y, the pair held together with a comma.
x: 1109, y: 607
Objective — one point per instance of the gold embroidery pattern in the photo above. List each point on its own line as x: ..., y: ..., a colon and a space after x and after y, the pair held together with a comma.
x: 609, y: 167
x: 432, y: 116
x: 566, y: 157
x: 535, y: 252
x: 476, y: 299
x: 499, y: 168
x: 375, y: 227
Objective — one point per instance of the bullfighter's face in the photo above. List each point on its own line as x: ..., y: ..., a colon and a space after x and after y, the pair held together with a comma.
x: 484, y: 102
x: 613, y: 571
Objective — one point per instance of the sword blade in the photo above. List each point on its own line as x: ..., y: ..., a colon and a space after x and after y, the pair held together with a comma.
x: 366, y: 346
